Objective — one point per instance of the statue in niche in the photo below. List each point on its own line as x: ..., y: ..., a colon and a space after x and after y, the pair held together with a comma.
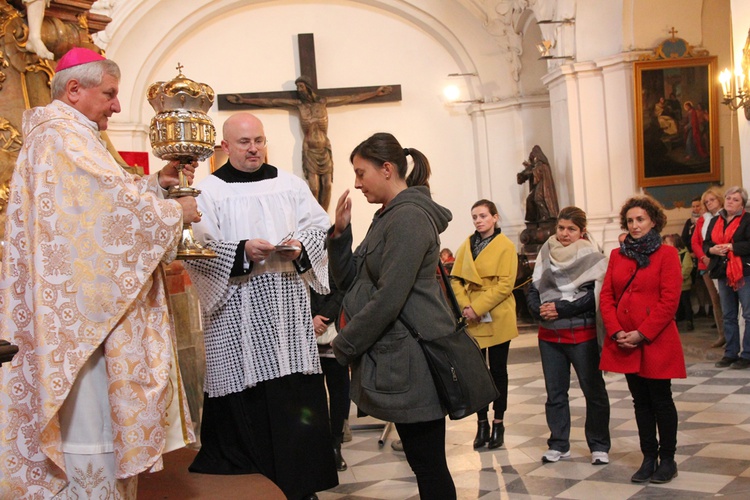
x: 541, y: 203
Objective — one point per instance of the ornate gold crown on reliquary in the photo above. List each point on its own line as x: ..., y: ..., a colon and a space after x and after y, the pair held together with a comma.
x: 181, y: 129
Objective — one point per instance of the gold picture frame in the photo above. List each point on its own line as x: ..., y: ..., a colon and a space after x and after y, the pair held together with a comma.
x: 218, y: 159
x: 676, y: 121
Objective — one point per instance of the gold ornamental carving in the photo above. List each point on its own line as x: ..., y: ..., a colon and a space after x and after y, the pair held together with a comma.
x: 182, y: 131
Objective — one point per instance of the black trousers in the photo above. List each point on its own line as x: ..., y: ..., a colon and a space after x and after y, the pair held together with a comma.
x: 686, y: 307
x: 278, y: 428
x: 654, y: 409
x: 498, y: 362
x: 424, y: 446
x: 337, y: 383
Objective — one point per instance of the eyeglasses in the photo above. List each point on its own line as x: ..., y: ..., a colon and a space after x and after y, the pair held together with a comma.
x: 258, y: 142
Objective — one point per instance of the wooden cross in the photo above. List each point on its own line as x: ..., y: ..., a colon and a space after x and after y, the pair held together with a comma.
x: 311, y: 103
x: 306, y: 45
x: 673, y: 32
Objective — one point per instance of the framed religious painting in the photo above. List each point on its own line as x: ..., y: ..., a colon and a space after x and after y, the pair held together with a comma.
x: 676, y: 121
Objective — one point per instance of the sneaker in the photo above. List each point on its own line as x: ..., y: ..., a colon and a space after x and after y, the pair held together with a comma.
x: 724, y: 362
x: 599, y: 458
x: 740, y: 364
x: 551, y: 456
x: 397, y: 445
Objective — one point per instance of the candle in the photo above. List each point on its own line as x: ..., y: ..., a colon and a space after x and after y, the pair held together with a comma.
x: 725, y: 77
x: 740, y: 80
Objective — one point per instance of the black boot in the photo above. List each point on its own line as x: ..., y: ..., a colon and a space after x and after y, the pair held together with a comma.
x: 497, y: 437
x: 643, y: 475
x: 666, y: 471
x: 340, y: 463
x: 483, y: 434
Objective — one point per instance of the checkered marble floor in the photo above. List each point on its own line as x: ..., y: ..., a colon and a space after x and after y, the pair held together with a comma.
x: 713, y: 452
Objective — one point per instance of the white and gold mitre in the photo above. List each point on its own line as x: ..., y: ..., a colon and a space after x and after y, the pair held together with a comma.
x: 181, y: 129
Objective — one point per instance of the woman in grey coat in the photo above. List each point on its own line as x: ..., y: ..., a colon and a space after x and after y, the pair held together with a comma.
x: 392, y: 274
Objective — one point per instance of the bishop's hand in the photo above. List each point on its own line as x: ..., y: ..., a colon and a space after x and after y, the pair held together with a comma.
x: 169, y: 175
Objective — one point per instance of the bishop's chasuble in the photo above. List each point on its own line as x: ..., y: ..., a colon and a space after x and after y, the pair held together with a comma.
x: 81, y: 278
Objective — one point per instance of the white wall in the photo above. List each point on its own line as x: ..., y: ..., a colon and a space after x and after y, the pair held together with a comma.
x: 251, y: 46
x: 740, y: 27
x: 592, y: 99
x: 584, y: 123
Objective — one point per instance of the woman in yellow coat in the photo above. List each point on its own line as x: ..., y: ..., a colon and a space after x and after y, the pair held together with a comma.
x: 483, y: 277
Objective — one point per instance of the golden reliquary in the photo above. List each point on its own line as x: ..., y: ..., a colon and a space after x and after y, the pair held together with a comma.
x: 182, y: 131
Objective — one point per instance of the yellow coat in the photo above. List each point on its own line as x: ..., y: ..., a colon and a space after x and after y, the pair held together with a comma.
x: 486, y: 284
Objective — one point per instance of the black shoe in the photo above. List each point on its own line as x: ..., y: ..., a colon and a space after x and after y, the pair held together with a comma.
x: 690, y: 326
x: 648, y: 467
x: 666, y: 471
x: 483, y: 434
x: 340, y: 463
x: 724, y: 362
x: 740, y: 364
x: 497, y: 437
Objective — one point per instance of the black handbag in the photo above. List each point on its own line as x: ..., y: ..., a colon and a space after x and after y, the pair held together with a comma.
x: 717, y: 267
x: 463, y: 381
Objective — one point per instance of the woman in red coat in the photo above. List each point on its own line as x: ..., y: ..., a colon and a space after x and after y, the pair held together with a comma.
x: 639, y: 299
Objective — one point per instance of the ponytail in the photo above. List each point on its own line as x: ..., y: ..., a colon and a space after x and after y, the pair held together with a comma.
x: 383, y: 147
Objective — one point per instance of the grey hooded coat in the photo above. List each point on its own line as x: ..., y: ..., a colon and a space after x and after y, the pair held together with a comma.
x: 392, y: 272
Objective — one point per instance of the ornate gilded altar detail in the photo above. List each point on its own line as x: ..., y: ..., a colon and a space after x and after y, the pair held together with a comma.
x: 25, y: 77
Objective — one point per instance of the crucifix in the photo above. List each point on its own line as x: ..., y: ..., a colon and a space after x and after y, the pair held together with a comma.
x: 312, y: 104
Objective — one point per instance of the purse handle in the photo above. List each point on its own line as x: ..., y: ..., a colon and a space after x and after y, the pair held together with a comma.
x: 452, y: 300
x: 412, y: 330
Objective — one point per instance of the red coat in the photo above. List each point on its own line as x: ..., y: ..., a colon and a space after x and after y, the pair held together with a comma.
x: 696, y: 244
x: 648, y: 305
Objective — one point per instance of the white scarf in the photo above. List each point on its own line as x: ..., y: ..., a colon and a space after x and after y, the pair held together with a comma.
x: 560, y: 271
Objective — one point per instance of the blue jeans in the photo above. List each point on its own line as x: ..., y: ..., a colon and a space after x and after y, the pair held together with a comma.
x: 730, y: 302
x: 556, y: 361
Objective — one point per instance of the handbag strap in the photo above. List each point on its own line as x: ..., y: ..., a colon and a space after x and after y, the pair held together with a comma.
x: 450, y: 294
x: 453, y: 302
x: 412, y: 330
x: 626, y: 287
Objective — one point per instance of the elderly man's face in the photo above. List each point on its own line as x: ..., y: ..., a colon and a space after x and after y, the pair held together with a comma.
x: 100, y: 102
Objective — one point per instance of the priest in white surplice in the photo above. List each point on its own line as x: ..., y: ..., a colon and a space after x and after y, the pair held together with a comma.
x: 265, y: 409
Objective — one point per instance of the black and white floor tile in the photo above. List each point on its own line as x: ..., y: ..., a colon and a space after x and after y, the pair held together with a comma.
x: 713, y: 452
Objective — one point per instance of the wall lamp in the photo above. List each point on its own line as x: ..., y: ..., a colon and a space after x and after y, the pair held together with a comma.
x: 552, y: 21
x: 452, y: 92
x: 544, y: 50
x: 735, y: 92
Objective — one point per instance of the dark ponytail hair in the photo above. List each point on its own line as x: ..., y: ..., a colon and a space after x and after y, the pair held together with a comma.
x: 383, y: 147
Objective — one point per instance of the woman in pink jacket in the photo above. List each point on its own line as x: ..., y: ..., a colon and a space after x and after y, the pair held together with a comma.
x: 639, y: 299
